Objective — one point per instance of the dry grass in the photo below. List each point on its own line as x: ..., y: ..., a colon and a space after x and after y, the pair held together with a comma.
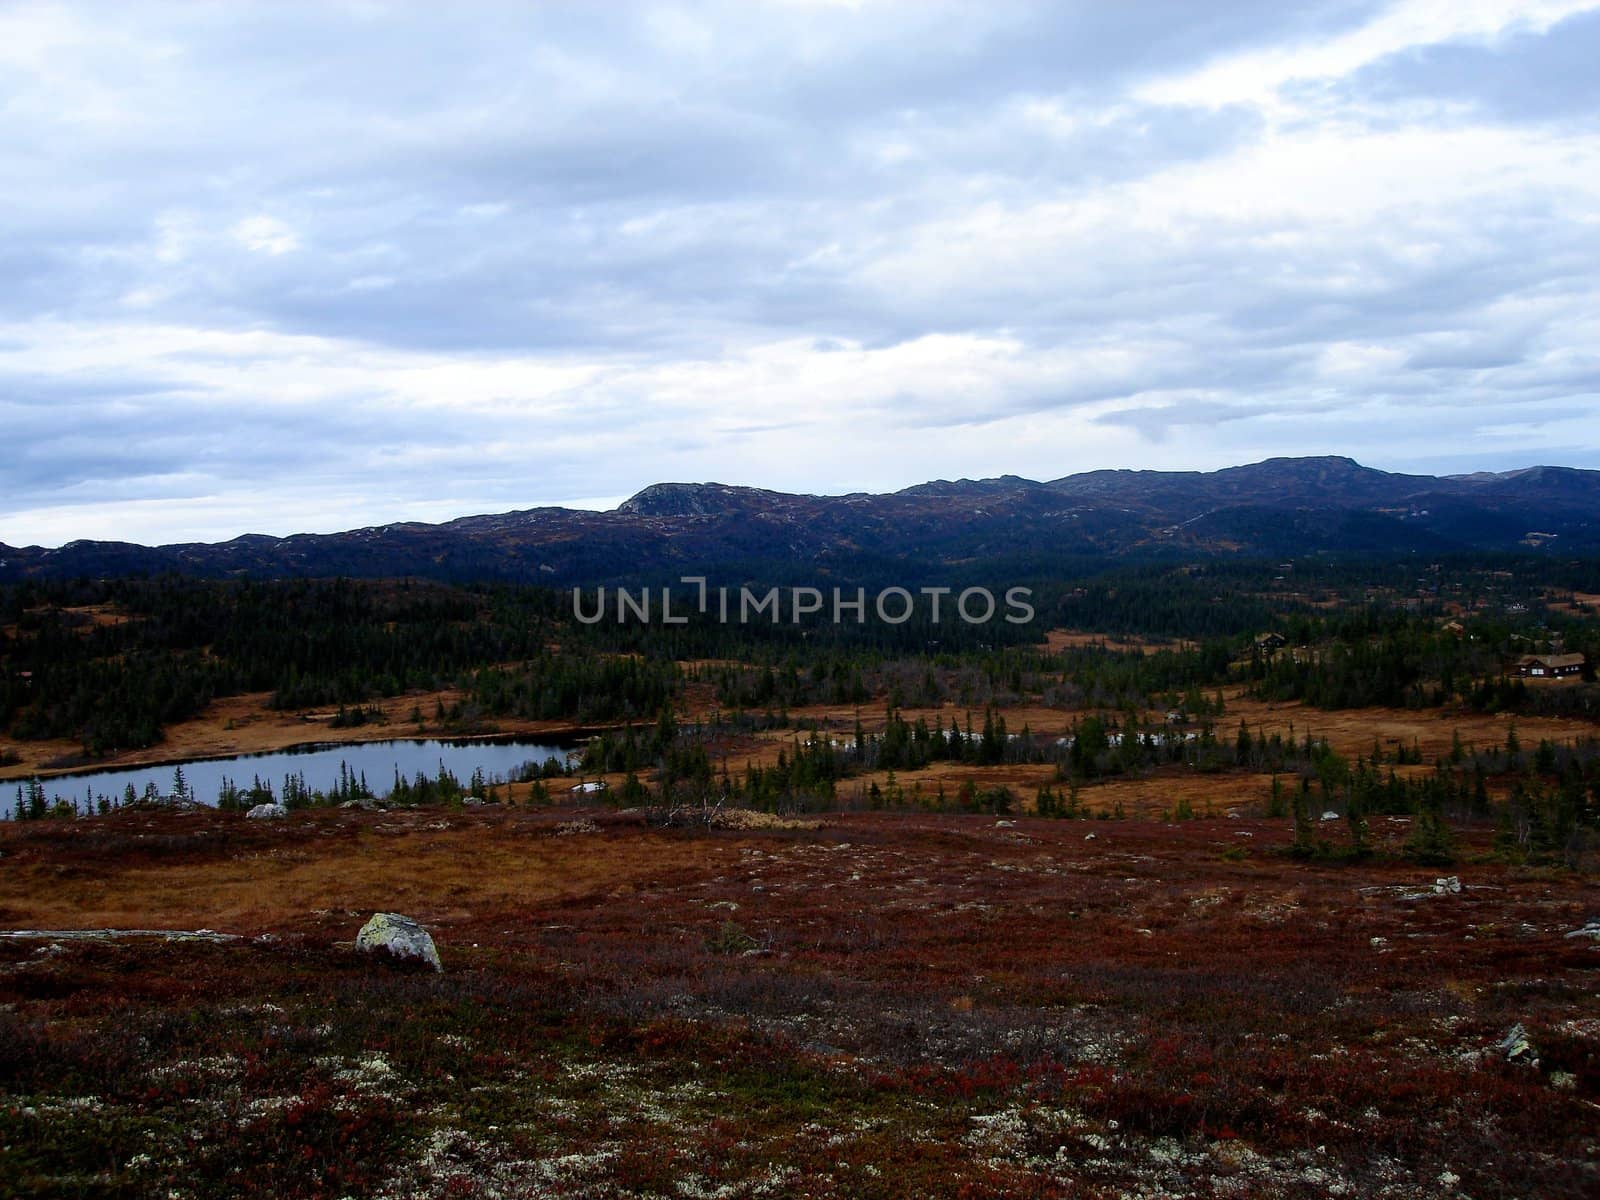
x: 1352, y: 731
x: 437, y: 866
x: 1057, y: 640
x: 892, y: 1005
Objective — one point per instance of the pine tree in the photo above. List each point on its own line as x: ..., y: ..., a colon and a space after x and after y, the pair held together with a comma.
x: 1430, y: 843
x: 1276, y: 805
x: 1356, y: 818
x: 1303, y: 846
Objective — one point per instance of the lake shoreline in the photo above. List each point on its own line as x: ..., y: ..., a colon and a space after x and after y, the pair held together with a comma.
x: 343, y: 769
x: 578, y: 736
x: 259, y: 729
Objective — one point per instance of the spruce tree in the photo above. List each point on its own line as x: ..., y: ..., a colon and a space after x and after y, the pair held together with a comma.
x: 1355, y: 816
x: 1276, y: 805
x: 1431, y: 843
x: 1303, y: 846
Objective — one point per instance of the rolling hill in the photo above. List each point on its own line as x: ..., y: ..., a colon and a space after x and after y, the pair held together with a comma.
x: 1280, y: 507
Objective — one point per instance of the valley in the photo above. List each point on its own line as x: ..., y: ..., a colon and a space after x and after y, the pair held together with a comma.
x: 1208, y: 884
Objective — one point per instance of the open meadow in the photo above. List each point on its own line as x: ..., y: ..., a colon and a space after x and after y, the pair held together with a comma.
x: 880, y: 1005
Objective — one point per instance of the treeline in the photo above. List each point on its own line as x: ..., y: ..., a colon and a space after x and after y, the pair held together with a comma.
x: 1082, y: 676
x: 113, y: 663
x: 36, y: 800
x: 1366, y: 660
x: 171, y: 646
x: 175, y: 645
x: 811, y: 768
x: 1550, y: 813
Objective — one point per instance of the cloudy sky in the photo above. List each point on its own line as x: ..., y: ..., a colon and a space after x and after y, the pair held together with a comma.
x: 287, y: 267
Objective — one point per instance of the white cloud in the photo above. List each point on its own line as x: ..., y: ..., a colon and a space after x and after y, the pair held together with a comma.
x: 552, y: 252
x: 1256, y: 76
x: 266, y: 235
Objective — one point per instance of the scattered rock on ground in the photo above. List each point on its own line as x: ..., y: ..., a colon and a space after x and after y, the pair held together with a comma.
x: 113, y: 935
x: 1590, y: 930
x: 267, y: 812
x: 1517, y: 1048
x: 1445, y: 885
x: 400, y: 936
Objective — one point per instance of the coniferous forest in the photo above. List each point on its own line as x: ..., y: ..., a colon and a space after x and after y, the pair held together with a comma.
x: 1140, y: 688
x: 113, y: 663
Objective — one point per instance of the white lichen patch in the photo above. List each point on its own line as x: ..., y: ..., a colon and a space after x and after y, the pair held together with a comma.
x: 219, y: 1066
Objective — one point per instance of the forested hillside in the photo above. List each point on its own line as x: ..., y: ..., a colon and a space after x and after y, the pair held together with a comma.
x: 111, y: 663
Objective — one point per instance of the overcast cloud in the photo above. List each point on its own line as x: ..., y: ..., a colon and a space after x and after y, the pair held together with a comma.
x: 286, y: 267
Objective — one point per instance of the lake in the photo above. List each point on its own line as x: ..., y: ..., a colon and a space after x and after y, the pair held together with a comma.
x: 319, y: 763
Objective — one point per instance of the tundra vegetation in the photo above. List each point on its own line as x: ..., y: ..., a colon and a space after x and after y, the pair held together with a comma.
x: 1133, y: 901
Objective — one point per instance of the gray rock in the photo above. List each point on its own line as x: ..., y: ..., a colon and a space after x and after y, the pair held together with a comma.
x: 267, y: 812
x: 400, y: 936
x: 1517, y: 1048
x: 109, y: 935
x: 1590, y: 930
x: 1449, y: 885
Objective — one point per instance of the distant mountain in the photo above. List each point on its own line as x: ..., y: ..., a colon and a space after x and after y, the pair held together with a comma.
x: 1277, y: 482
x: 1281, y: 507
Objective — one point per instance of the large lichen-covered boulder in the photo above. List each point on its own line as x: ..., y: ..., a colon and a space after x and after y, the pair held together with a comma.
x: 400, y: 936
x: 267, y: 812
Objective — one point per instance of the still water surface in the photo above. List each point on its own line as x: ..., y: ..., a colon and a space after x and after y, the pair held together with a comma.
x: 319, y: 763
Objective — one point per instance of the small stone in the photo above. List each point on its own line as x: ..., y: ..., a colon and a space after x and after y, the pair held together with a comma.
x: 400, y: 936
x: 267, y: 812
x: 1517, y: 1048
x: 1448, y: 885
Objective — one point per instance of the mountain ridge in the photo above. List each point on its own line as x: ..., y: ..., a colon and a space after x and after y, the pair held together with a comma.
x: 1323, y: 504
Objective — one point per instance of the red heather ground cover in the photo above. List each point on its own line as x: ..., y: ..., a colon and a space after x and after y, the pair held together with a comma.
x: 891, y: 1005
